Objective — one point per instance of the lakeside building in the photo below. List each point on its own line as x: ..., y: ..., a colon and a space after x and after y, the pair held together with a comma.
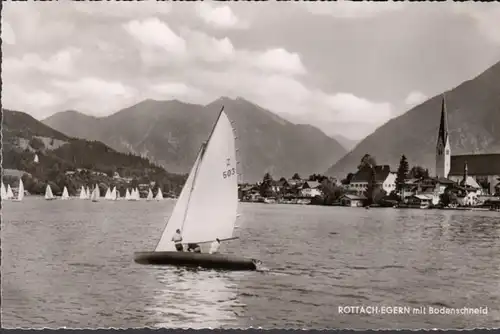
x: 384, y: 178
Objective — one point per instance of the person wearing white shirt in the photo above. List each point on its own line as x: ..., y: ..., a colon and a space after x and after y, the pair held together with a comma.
x: 214, y: 248
x: 177, y: 239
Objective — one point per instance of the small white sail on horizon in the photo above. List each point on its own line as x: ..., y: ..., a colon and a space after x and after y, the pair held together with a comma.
x: 4, y: 191
x: 150, y: 195
x: 88, y: 193
x: 159, y: 195
x: 83, y: 193
x: 95, y: 194
x: 107, y: 196
x: 137, y: 194
x: 48, y: 193
x: 200, y: 213
x: 65, y: 194
x: 10, y: 193
x: 114, y: 194
x: 35, y: 160
x: 20, y: 192
x: 127, y: 195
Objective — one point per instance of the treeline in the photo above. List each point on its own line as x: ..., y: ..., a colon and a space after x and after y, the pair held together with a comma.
x: 90, y: 155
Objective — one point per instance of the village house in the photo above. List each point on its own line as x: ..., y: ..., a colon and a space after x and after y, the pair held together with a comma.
x: 384, y: 178
x: 422, y: 201
x: 352, y: 200
x: 310, y: 189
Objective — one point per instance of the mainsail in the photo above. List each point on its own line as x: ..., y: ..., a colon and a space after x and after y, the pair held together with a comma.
x: 10, y: 194
x: 20, y: 192
x: 159, y: 195
x: 88, y: 193
x: 108, y: 194
x: 4, y: 191
x: 113, y: 194
x: 207, y: 206
x: 48, y: 192
x: 150, y: 195
x: 127, y: 195
x: 65, y: 194
x: 83, y: 193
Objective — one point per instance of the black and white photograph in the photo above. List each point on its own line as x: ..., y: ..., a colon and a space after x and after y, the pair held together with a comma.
x: 250, y: 164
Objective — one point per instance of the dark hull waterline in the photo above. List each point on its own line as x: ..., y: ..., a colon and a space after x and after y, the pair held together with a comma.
x: 189, y: 259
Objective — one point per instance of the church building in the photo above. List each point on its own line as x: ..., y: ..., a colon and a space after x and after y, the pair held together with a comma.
x: 481, y: 169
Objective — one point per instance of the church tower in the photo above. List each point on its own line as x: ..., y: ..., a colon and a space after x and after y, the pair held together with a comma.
x: 443, y: 152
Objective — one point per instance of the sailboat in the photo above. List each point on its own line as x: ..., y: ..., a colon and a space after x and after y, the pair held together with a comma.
x: 88, y: 193
x: 137, y: 194
x: 4, y: 192
x: 83, y: 193
x: 65, y: 194
x: 35, y: 160
x: 150, y: 195
x: 48, y: 193
x: 10, y: 194
x: 127, y: 195
x: 159, y: 195
x: 95, y: 194
x: 20, y: 192
x: 206, y: 208
x: 113, y: 195
x: 107, y: 196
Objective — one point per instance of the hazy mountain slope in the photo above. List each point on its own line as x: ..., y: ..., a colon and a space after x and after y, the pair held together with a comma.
x: 171, y: 132
x: 24, y: 136
x: 473, y: 120
x: 346, y: 143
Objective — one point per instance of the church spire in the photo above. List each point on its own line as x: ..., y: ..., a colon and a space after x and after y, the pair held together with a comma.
x: 443, y: 126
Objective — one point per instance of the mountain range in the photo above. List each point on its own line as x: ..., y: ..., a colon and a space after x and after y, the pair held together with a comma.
x: 473, y: 121
x: 171, y: 132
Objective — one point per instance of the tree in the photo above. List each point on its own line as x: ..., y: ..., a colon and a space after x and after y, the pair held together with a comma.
x: 348, y: 179
x: 367, y: 161
x: 449, y: 197
x: 402, y: 173
x: 372, y: 184
x: 296, y: 176
x: 266, y: 186
x: 418, y: 172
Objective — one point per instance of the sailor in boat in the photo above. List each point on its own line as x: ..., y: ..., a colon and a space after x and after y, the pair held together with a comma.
x: 195, y: 248
x: 177, y: 239
x: 214, y: 248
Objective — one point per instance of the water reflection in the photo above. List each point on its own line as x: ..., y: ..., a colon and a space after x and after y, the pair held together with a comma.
x: 192, y: 298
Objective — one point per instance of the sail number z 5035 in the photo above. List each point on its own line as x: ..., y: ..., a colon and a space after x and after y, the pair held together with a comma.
x: 229, y: 173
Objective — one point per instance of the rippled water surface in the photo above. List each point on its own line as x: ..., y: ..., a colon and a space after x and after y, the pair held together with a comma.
x: 70, y: 263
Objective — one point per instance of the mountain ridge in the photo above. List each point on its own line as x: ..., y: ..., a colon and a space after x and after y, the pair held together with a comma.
x: 171, y: 132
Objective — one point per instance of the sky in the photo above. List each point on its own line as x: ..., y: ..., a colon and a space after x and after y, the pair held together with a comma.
x: 344, y: 67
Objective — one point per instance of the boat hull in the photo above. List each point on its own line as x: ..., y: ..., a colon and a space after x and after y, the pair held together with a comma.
x: 189, y: 259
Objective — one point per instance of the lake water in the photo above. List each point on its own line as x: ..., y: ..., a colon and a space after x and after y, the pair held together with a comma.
x: 70, y: 263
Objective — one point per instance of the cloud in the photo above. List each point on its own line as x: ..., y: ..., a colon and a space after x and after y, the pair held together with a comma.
x: 218, y: 16
x: 415, y: 98
x: 350, y: 108
x: 61, y: 63
x: 346, y: 9
x: 279, y: 60
x: 94, y: 95
x: 36, y: 102
x: 156, y: 34
x: 485, y: 15
x: 175, y: 90
x: 8, y: 35
x: 208, y: 48
x: 127, y: 9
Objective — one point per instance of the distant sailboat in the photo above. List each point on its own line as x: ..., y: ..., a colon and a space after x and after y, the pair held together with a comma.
x: 95, y: 194
x: 4, y: 192
x: 150, y: 195
x: 114, y: 194
x: 48, y: 193
x: 202, y: 214
x: 137, y: 194
x: 65, y: 194
x: 88, y: 193
x: 83, y: 193
x: 127, y: 195
x: 35, y: 160
x: 107, y: 196
x: 20, y: 192
x: 159, y: 195
x: 10, y: 194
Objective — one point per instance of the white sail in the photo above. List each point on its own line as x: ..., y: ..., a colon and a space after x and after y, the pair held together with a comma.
x: 65, y: 194
x: 35, y: 160
x: 127, y: 195
x: 213, y: 203
x: 177, y: 216
x: 4, y: 191
x: 150, y: 195
x: 10, y: 194
x: 159, y: 195
x: 113, y: 195
x: 20, y: 193
x: 96, y: 194
x: 88, y: 193
x: 83, y: 193
x: 108, y: 194
x: 137, y: 194
x: 48, y: 192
